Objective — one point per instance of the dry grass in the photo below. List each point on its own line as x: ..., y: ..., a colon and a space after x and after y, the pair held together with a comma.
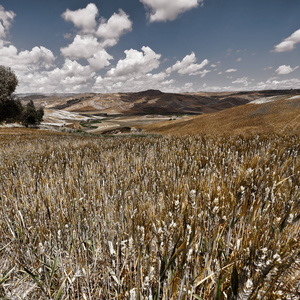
x: 26, y: 133
x: 282, y: 117
x: 149, y: 218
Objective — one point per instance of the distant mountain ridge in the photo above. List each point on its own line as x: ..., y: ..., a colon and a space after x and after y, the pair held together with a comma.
x: 152, y: 101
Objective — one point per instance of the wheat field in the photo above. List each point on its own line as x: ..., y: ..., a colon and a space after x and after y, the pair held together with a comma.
x: 195, y: 217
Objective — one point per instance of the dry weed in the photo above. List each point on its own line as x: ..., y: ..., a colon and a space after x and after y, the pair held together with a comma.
x: 195, y: 217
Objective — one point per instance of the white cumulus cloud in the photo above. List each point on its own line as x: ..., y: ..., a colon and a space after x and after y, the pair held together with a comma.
x: 38, y: 57
x: 202, y: 73
x: 188, y: 66
x: 289, y: 43
x: 242, y: 80
x: 71, y: 77
x: 87, y: 47
x: 164, y: 10
x: 82, y: 47
x: 284, y: 70
x: 135, y: 83
x: 6, y: 19
x: 110, y: 31
x: 84, y: 18
x: 100, y: 60
x: 72, y: 73
x: 188, y: 86
x: 136, y: 62
x: 278, y: 84
x: 230, y: 70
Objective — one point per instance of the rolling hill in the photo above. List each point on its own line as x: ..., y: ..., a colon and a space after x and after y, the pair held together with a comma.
x: 151, y: 102
x: 280, y: 114
x: 173, y: 113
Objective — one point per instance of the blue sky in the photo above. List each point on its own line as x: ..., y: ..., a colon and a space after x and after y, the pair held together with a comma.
x: 133, y: 45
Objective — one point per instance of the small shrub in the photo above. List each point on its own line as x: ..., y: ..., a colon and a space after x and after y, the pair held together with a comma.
x: 31, y: 116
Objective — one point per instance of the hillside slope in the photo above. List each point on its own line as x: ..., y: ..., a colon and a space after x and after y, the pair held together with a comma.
x: 152, y: 102
x: 260, y: 116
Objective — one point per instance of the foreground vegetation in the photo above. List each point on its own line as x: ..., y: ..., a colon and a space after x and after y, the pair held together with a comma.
x: 149, y: 218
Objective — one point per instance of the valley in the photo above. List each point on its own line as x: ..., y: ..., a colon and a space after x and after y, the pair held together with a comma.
x: 158, y: 112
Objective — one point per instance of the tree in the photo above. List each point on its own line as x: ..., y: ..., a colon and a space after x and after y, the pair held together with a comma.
x: 8, y: 83
x: 31, y: 116
x: 10, y: 109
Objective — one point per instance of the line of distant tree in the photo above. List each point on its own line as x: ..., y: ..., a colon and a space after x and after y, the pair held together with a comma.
x: 11, y: 108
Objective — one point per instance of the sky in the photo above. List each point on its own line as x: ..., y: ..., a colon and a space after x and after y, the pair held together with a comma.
x: 110, y: 46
